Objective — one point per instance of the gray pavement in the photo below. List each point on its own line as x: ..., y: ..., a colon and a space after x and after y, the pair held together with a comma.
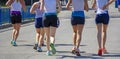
x: 88, y: 47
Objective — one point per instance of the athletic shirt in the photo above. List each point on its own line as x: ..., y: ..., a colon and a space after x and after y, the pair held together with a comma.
x: 100, y: 4
x: 16, y: 6
x: 78, y: 5
x: 78, y: 8
x: 38, y: 13
x: 50, y: 6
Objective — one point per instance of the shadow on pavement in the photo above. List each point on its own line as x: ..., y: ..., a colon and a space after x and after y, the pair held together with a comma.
x: 67, y: 45
x: 77, y: 57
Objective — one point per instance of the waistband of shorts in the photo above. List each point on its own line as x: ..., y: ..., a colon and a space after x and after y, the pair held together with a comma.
x: 47, y: 14
x: 15, y: 12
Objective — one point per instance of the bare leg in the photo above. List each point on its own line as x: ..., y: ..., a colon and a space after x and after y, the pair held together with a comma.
x: 99, y: 35
x: 16, y: 28
x: 74, y: 35
x: 52, y: 34
x: 47, y: 31
x: 41, y: 40
x: 104, y: 34
x: 79, y: 34
x: 37, y: 35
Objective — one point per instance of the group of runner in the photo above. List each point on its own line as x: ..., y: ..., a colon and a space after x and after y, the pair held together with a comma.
x: 46, y: 22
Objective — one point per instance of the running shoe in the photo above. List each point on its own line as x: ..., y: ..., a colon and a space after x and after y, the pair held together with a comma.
x: 104, y: 50
x: 77, y: 52
x: 48, y: 53
x: 39, y: 49
x: 35, y: 46
x: 53, y: 48
x: 13, y: 43
x: 43, y: 44
x: 73, y: 50
x: 100, y: 52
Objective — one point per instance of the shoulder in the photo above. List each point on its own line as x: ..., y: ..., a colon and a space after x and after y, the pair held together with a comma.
x: 36, y: 3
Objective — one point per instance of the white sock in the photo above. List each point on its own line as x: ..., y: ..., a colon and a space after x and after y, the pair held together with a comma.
x: 51, y: 39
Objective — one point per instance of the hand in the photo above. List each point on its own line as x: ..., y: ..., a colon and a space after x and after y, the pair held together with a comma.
x: 104, y: 7
x: 70, y: 8
x: 58, y: 10
x: 119, y: 8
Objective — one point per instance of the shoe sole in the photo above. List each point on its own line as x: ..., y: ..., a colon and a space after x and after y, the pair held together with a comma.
x: 13, y: 44
x: 77, y: 53
x: 73, y: 52
x: 48, y: 54
x: 35, y: 47
x: 100, y: 52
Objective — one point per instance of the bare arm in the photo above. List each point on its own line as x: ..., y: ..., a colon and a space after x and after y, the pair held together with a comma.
x: 42, y: 5
x: 86, y: 5
x: 23, y: 4
x: 59, y: 5
x: 9, y: 2
x: 106, y: 6
x: 94, y: 4
x: 32, y: 9
x: 68, y: 5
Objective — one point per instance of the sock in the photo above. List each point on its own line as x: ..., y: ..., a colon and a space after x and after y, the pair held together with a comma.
x: 51, y: 39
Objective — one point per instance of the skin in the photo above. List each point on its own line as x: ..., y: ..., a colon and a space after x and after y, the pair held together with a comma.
x: 77, y: 29
x: 50, y: 31
x: 16, y: 27
x: 39, y: 31
x: 9, y: 2
x: 102, y: 28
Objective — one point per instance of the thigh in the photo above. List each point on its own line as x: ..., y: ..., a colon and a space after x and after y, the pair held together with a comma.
x: 105, y: 27
x: 47, y: 32
x: 74, y: 28
x: 80, y: 28
x: 52, y: 31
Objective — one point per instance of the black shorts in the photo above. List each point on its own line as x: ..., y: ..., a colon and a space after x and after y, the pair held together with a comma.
x: 75, y: 20
x: 51, y: 20
x: 16, y: 18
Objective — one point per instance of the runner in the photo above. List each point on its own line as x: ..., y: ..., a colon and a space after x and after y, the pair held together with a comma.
x: 15, y: 16
x: 77, y: 21
x: 102, y: 21
x: 50, y: 22
x: 118, y: 5
x: 35, y: 9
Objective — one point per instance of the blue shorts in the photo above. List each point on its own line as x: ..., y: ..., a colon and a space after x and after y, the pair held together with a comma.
x: 75, y: 20
x: 102, y: 18
x: 38, y: 23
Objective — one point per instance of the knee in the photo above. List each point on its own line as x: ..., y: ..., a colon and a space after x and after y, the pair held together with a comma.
x: 74, y: 32
x: 79, y: 32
